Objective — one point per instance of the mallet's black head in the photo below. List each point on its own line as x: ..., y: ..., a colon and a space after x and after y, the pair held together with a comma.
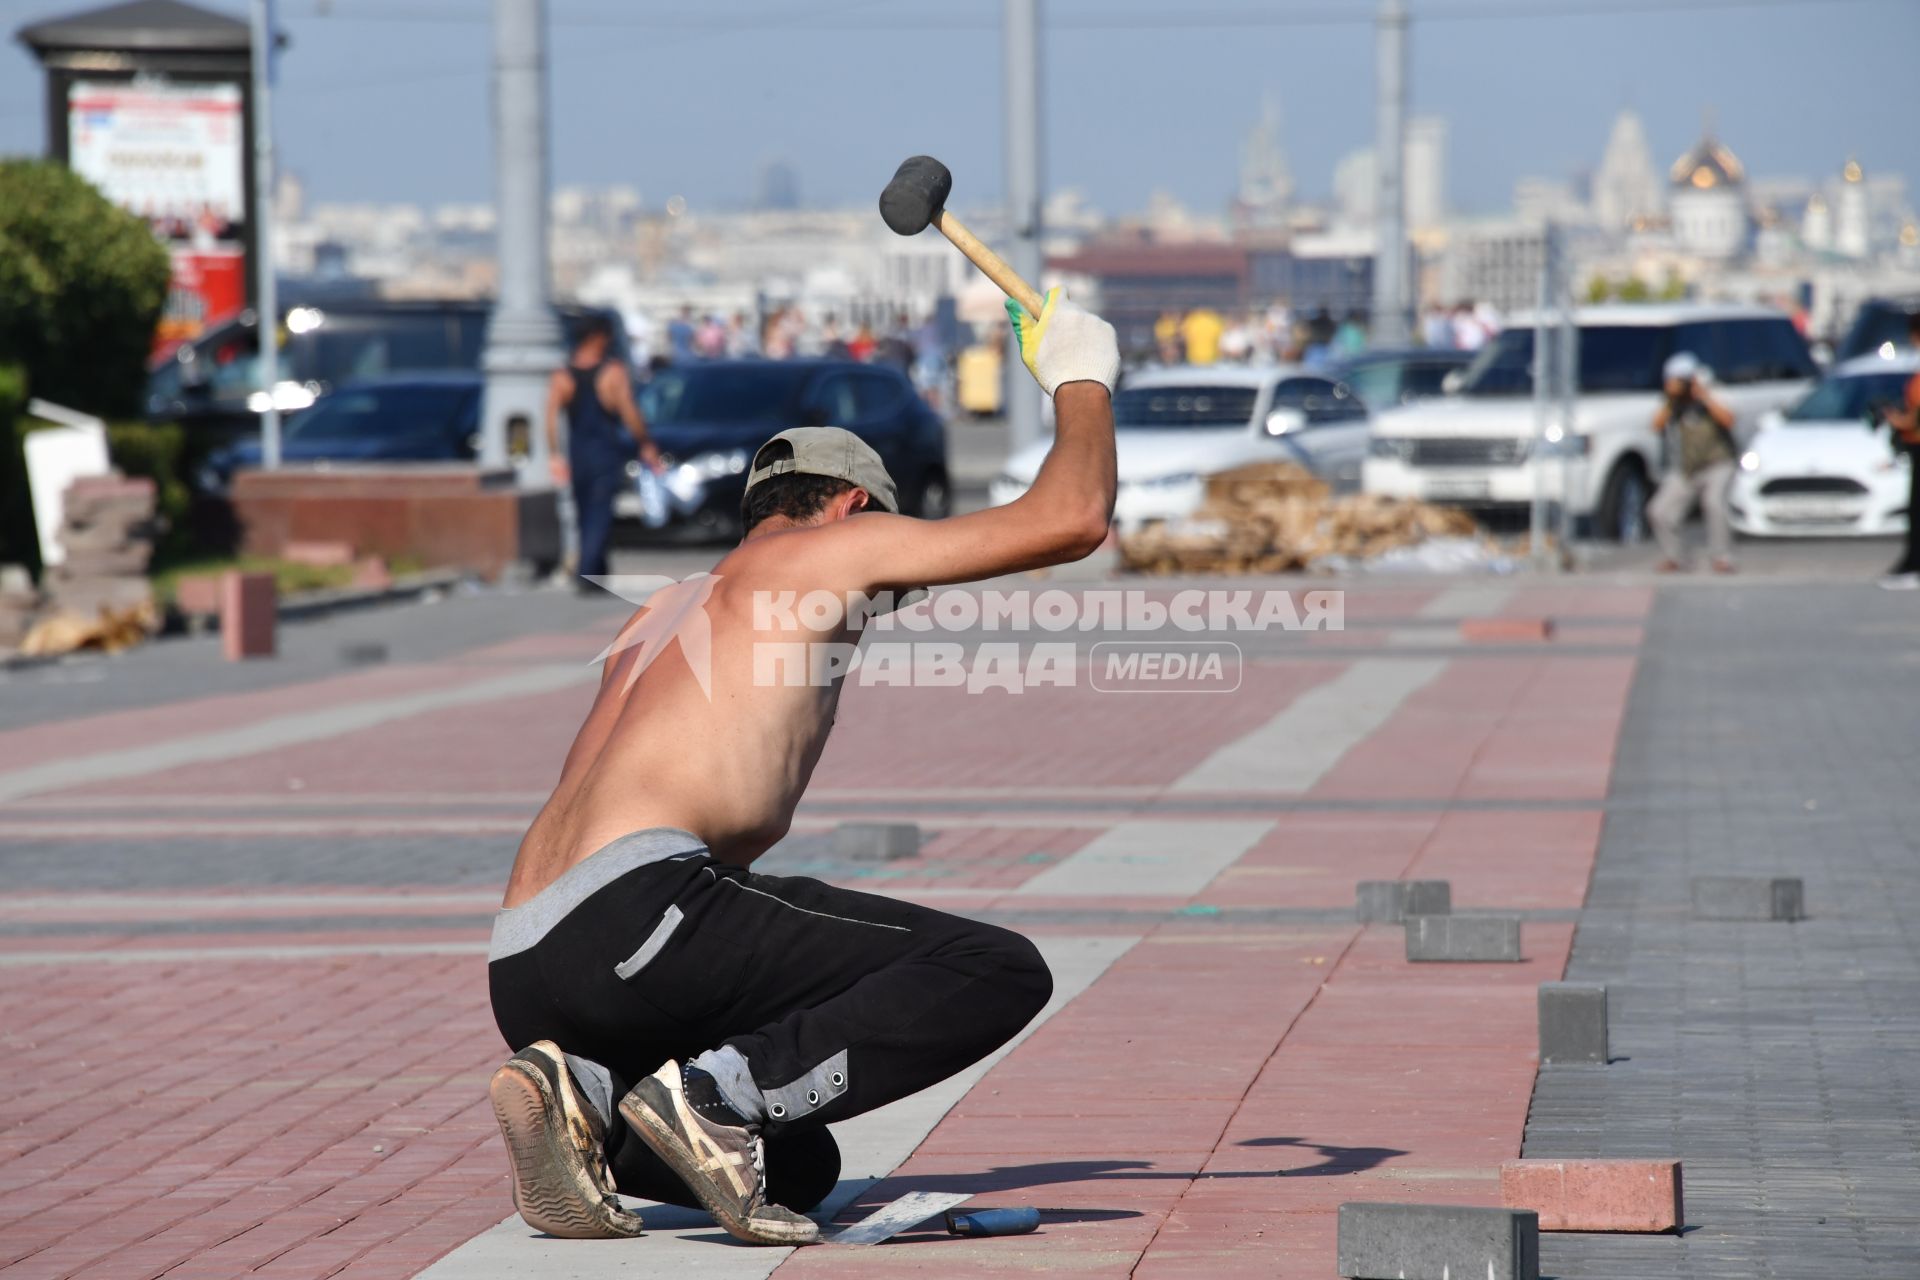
x: 919, y: 190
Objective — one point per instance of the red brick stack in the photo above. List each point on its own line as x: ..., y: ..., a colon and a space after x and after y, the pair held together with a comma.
x: 107, y: 535
x: 18, y: 601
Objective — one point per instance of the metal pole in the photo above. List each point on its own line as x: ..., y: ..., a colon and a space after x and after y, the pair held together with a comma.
x: 266, y: 302
x: 1544, y: 333
x: 1022, y: 98
x: 523, y: 338
x: 1390, y: 324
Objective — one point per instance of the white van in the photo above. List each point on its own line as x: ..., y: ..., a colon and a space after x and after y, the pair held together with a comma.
x: 1475, y: 446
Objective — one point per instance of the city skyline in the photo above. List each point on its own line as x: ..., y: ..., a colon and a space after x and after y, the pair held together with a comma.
x: 1204, y: 86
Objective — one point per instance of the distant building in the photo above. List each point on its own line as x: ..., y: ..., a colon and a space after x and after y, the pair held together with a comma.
x: 1266, y: 185
x: 1356, y: 189
x: 1137, y: 280
x: 1426, y: 172
x: 1852, y: 234
x: 1816, y: 225
x: 1548, y: 200
x: 1709, y: 202
x: 1494, y: 260
x: 1626, y: 190
x: 779, y: 187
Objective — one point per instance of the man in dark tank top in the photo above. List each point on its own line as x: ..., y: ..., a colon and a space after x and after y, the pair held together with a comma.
x: 604, y: 427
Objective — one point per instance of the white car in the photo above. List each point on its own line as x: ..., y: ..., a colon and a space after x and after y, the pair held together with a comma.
x: 1476, y: 447
x: 1825, y: 467
x: 1176, y: 426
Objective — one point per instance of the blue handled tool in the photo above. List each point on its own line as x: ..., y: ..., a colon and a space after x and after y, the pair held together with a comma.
x: 993, y: 1222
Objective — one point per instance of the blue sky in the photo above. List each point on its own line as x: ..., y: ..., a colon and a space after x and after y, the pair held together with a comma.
x: 387, y: 99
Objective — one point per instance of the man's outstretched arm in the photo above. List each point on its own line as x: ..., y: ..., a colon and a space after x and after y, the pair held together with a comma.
x: 1062, y: 518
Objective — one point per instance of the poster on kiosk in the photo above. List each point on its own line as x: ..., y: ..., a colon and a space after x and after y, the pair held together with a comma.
x: 172, y: 152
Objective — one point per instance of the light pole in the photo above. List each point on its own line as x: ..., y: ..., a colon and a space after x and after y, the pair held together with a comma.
x: 1022, y: 107
x: 266, y: 294
x: 523, y: 336
x: 1390, y: 208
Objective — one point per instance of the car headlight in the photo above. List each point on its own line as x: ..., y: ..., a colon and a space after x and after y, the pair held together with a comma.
x: 1750, y: 461
x: 1390, y: 447
x: 1565, y: 446
x: 686, y: 484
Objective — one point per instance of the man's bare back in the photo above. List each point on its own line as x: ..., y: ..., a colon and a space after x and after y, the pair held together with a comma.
x: 658, y: 751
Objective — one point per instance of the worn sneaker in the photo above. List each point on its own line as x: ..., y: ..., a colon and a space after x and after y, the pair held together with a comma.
x: 557, y: 1145
x: 724, y: 1165
x: 1900, y: 582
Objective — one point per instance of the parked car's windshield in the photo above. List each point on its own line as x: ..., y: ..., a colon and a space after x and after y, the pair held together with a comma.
x: 1879, y: 324
x: 1840, y: 399
x: 768, y: 393
x: 384, y: 413
x: 346, y: 346
x: 1202, y: 406
x: 1611, y: 357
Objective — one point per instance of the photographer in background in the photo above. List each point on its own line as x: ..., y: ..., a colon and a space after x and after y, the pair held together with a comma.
x: 1700, y: 455
x: 1905, y: 422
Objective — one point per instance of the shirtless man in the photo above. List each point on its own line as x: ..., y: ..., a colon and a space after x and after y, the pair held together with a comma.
x: 729, y: 1017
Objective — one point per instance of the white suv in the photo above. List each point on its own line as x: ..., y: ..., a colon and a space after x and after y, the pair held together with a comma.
x: 1475, y: 447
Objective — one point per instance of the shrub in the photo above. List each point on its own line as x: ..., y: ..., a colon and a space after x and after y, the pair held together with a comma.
x: 82, y: 283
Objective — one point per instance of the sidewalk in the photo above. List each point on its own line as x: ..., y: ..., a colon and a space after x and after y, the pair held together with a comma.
x: 278, y: 897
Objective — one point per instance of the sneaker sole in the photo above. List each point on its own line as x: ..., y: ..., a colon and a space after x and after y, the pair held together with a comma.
x: 546, y: 1180
x: 645, y: 1108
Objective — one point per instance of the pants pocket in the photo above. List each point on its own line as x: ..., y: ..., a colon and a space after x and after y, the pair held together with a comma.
x: 652, y: 947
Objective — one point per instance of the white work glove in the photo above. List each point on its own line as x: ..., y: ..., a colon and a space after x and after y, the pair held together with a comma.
x: 1065, y: 344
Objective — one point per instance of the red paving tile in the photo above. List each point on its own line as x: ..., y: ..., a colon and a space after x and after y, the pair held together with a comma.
x: 1199, y: 1111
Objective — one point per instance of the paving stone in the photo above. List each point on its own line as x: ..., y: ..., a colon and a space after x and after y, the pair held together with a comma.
x: 1596, y: 1195
x: 1484, y: 937
x: 1392, y: 901
x: 1437, y: 1242
x: 876, y: 841
x: 1573, y: 1022
x: 1747, y: 898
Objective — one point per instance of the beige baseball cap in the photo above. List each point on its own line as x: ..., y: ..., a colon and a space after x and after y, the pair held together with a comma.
x: 834, y: 452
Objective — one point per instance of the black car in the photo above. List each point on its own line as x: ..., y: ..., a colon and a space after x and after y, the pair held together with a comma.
x: 1880, y: 323
x: 709, y: 416
x: 421, y: 417
x: 211, y: 384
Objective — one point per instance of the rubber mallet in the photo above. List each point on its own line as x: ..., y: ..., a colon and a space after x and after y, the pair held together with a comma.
x: 917, y: 199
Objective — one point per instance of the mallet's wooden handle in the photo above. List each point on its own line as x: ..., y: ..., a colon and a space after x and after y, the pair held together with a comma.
x: 990, y: 262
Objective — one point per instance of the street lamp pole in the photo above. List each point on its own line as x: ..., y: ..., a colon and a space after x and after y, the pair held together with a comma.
x: 266, y: 300
x: 1390, y: 208
x: 523, y: 337
x: 1021, y: 102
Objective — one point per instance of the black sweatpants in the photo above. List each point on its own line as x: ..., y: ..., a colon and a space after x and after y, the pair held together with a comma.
x: 839, y: 1001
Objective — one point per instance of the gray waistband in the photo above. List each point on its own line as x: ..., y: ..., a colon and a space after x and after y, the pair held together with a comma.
x: 516, y: 929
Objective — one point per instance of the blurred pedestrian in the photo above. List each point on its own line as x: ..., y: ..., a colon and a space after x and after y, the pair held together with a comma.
x: 1700, y: 453
x: 1350, y: 339
x: 894, y: 347
x: 680, y: 333
x: 1201, y: 332
x: 1468, y: 333
x: 711, y: 341
x: 743, y: 337
x: 1905, y: 423
x: 1167, y: 343
x: 833, y: 344
x: 1236, y: 342
x: 1436, y: 331
x: 862, y: 344
x: 604, y: 427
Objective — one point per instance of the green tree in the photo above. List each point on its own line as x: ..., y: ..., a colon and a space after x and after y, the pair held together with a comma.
x: 81, y: 287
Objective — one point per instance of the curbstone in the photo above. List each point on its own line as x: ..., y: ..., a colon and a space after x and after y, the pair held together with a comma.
x: 1596, y: 1195
x: 1748, y: 898
x: 1437, y: 1242
x: 1392, y: 901
x: 1467, y: 937
x: 1573, y: 1022
x: 876, y: 841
